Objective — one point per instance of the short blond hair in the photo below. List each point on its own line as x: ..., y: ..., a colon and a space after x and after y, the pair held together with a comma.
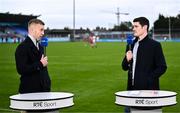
x: 35, y: 21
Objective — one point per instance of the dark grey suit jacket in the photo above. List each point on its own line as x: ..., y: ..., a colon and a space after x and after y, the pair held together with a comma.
x: 34, y: 77
x: 150, y: 65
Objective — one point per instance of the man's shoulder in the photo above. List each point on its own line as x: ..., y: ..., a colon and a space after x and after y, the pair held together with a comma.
x: 24, y: 44
x: 154, y: 42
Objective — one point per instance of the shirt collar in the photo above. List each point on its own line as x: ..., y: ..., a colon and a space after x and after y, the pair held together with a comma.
x: 140, y: 41
x: 33, y: 39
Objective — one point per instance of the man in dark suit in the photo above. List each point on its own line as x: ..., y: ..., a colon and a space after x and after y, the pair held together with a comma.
x: 31, y: 64
x: 145, y: 62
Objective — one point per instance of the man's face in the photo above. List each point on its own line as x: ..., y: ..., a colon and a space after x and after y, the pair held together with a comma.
x: 38, y: 31
x: 138, y: 29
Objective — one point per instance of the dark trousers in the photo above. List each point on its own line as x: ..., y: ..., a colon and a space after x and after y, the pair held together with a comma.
x: 127, y: 110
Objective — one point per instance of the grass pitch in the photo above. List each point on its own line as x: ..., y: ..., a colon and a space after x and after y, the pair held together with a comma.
x: 92, y: 74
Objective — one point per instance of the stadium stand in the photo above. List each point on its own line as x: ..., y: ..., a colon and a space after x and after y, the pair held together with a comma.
x: 13, y: 27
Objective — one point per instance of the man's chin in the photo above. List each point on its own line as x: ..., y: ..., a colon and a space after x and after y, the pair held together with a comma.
x: 135, y: 35
x: 39, y: 38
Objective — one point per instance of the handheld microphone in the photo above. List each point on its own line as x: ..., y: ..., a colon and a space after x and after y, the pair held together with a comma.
x: 44, y: 43
x: 129, y: 40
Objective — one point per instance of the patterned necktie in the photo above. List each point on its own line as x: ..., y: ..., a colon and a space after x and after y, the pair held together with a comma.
x: 37, y: 44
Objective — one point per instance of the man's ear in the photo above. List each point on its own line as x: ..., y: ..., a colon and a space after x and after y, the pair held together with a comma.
x: 145, y: 27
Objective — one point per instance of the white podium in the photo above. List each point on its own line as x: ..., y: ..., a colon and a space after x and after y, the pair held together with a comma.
x: 145, y: 98
x: 51, y: 101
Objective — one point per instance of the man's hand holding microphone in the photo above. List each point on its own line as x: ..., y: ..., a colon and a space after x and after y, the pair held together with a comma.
x: 129, y: 54
x: 44, y: 60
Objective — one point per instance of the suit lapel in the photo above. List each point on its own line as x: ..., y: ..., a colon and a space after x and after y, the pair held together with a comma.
x: 34, y: 49
x: 41, y: 49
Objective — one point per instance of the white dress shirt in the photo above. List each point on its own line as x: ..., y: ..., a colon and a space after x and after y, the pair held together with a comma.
x: 135, y: 49
x: 34, y: 41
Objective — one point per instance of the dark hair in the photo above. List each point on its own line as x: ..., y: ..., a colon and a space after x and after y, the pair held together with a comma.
x: 143, y: 21
x: 35, y: 21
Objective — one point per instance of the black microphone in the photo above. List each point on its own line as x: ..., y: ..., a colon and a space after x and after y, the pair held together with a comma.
x: 44, y: 43
x: 130, y: 40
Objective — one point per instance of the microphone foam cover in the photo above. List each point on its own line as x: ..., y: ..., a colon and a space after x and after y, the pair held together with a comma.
x: 44, y: 41
x: 130, y: 39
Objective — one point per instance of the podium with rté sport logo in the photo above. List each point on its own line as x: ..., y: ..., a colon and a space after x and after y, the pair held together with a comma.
x: 145, y: 98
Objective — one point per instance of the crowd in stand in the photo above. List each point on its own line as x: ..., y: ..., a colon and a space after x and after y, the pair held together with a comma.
x: 10, y: 35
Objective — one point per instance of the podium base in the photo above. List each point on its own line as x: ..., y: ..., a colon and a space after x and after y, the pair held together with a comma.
x: 40, y: 112
x: 145, y: 111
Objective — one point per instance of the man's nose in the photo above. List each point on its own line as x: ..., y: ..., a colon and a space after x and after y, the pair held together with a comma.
x: 42, y: 33
x: 133, y: 29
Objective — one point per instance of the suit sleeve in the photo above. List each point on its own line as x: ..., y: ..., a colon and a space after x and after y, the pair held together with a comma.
x: 160, y: 62
x: 24, y: 67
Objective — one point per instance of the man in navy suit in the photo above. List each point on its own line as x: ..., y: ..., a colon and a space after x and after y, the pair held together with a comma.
x: 31, y: 63
x: 145, y: 62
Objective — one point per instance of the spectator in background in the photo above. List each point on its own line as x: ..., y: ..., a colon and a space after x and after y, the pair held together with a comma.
x: 14, y: 38
x: 6, y: 39
x: 92, y: 41
x: 2, y: 39
x: 19, y: 39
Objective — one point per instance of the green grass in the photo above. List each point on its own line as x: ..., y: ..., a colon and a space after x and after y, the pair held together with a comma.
x: 92, y: 74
